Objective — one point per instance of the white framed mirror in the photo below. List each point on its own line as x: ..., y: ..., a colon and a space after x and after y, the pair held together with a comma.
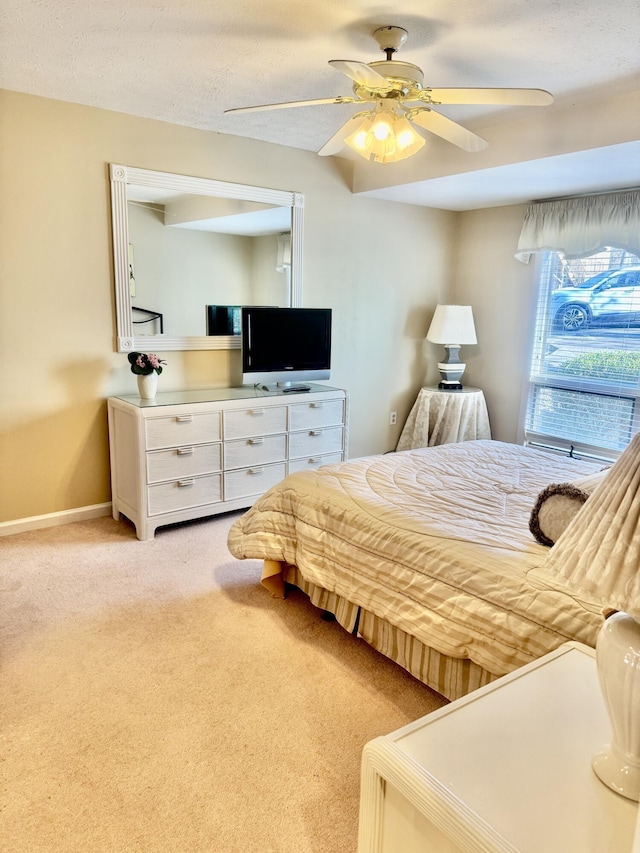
x: 187, y: 249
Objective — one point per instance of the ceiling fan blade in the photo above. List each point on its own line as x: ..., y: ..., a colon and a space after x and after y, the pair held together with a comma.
x: 338, y: 100
x: 337, y: 140
x: 361, y: 73
x: 505, y: 97
x: 449, y: 130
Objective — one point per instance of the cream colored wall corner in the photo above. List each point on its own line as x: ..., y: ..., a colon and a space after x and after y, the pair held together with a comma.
x: 501, y: 291
x: 381, y: 266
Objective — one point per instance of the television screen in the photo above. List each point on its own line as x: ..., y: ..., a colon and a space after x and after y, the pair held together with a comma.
x: 285, y: 345
x: 223, y: 319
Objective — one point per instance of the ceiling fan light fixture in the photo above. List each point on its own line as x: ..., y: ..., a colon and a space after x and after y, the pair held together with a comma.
x: 360, y: 138
x: 408, y: 140
x: 382, y: 127
x: 385, y: 137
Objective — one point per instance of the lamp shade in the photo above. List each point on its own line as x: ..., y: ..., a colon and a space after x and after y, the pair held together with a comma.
x: 452, y: 324
x: 598, y: 555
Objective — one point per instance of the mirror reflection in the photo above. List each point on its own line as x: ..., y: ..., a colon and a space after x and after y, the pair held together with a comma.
x: 189, y: 251
x: 218, y: 251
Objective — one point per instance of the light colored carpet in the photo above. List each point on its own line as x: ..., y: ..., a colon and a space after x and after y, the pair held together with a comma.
x: 154, y: 697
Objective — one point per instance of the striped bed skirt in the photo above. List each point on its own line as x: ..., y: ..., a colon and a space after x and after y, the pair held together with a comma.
x: 451, y: 677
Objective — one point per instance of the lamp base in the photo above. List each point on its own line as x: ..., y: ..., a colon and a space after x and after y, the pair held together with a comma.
x: 616, y: 773
x: 618, y: 660
x: 451, y: 369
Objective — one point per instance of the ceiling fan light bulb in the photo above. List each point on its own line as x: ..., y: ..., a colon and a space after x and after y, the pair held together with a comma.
x: 408, y: 140
x: 405, y: 134
x: 358, y: 140
x: 382, y: 127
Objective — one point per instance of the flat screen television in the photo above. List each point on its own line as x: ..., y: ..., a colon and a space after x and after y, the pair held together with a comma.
x: 285, y: 346
x: 223, y: 319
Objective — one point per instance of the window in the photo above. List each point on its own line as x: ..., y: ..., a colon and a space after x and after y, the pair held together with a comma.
x: 584, y: 382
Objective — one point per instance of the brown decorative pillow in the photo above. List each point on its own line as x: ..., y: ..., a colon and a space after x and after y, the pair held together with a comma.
x: 558, y: 503
x: 554, y: 509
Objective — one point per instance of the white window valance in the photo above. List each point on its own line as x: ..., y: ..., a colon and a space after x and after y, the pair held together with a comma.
x: 582, y: 226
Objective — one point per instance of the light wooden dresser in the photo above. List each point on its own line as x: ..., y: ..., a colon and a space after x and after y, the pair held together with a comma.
x: 189, y: 454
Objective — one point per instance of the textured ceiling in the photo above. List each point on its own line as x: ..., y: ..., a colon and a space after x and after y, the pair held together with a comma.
x: 186, y: 62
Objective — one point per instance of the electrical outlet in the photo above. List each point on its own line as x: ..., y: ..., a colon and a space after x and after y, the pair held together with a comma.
x: 392, y: 418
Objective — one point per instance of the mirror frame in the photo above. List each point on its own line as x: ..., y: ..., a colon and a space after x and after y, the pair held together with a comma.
x: 120, y: 177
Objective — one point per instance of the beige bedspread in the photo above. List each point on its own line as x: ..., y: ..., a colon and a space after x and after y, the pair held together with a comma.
x: 435, y: 541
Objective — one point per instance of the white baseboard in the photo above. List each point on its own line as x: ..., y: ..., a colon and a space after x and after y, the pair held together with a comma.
x: 53, y: 519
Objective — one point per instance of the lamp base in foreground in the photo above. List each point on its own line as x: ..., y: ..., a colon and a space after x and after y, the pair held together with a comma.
x: 618, y: 660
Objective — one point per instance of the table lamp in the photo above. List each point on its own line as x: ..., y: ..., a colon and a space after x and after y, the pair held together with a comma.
x: 452, y: 325
x: 598, y: 557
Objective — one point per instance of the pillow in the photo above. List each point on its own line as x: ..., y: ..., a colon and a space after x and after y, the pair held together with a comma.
x: 556, y: 506
x: 553, y: 510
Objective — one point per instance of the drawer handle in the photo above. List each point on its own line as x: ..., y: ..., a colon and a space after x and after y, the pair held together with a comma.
x: 184, y: 483
x: 317, y: 405
x: 256, y: 411
x: 316, y: 432
x: 256, y: 441
x: 185, y: 451
x: 253, y: 471
x: 184, y: 419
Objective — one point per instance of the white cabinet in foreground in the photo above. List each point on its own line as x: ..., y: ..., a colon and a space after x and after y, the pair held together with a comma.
x: 506, y: 769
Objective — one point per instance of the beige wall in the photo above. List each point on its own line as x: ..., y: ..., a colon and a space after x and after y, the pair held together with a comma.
x: 502, y: 293
x: 381, y: 266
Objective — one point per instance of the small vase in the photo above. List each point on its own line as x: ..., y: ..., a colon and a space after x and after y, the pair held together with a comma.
x: 148, y: 385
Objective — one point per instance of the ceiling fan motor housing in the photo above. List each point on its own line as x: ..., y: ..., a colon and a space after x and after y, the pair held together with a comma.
x: 390, y: 39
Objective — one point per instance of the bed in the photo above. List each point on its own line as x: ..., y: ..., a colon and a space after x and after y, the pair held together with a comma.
x: 427, y: 555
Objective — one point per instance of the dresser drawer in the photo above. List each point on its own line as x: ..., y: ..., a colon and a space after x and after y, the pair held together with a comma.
x: 185, y: 493
x: 313, y: 462
x: 260, y: 450
x: 182, y: 429
x: 314, y: 442
x: 316, y: 413
x: 189, y: 461
x: 249, y: 482
x: 258, y: 420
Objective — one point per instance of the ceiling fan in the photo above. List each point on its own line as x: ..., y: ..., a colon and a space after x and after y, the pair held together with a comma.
x: 397, y: 99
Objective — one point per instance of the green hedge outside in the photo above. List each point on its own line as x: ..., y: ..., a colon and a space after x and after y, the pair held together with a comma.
x: 617, y: 365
